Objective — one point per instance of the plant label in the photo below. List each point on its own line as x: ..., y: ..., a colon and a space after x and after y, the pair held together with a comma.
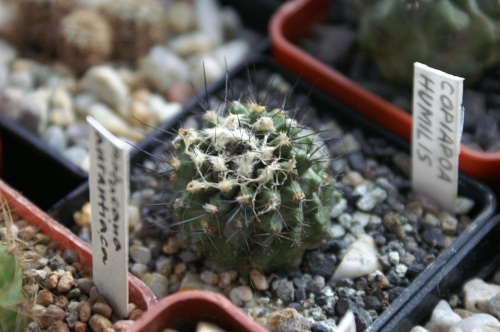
x: 109, y: 194
x: 347, y: 323
x: 437, y: 129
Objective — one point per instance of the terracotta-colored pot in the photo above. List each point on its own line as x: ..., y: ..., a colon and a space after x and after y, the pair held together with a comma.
x: 293, y: 22
x: 183, y: 310
x: 139, y: 293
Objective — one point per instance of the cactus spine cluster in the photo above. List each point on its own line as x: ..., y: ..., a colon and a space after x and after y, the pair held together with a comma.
x: 252, y: 188
x: 459, y: 37
x: 12, y: 317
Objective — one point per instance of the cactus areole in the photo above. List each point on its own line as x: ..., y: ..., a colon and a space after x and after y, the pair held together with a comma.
x: 460, y: 37
x: 252, y: 188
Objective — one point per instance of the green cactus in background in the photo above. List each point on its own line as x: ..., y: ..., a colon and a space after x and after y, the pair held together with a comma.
x: 252, y: 188
x: 12, y: 317
x: 460, y: 37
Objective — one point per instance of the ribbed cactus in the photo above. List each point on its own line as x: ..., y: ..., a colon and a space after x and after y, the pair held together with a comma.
x: 460, y: 37
x: 12, y: 317
x: 252, y: 188
x: 38, y: 22
x: 85, y: 39
x: 137, y: 26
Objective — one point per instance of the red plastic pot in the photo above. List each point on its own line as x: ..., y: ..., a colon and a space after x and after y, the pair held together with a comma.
x: 183, y: 310
x: 293, y: 22
x: 139, y: 293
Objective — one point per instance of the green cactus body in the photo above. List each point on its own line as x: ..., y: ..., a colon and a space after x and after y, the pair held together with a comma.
x: 11, y: 296
x: 252, y: 188
x: 460, y: 37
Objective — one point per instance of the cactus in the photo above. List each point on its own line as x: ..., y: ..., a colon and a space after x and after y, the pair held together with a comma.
x: 39, y: 20
x: 459, y: 37
x: 137, y: 26
x: 252, y: 188
x: 12, y: 299
x: 85, y: 39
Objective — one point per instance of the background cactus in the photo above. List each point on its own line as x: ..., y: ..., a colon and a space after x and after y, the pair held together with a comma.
x: 12, y: 318
x: 39, y: 20
x: 459, y: 37
x: 85, y: 39
x: 137, y: 26
x: 252, y: 188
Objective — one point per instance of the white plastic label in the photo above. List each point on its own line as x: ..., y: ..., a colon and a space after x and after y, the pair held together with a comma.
x: 437, y: 128
x: 348, y: 323
x: 109, y: 194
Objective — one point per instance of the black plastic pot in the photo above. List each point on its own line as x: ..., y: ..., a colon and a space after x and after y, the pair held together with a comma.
x: 33, y: 168
x: 478, y: 258
x: 485, y: 201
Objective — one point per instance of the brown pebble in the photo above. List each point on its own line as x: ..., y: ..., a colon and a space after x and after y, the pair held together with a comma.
x: 58, y: 327
x: 44, y: 298
x: 123, y: 325
x: 61, y: 301
x: 70, y: 269
x: 109, y: 329
x: 66, y: 282
x: 85, y: 311
x: 40, y: 249
x: 85, y: 285
x: 98, y: 323
x: 180, y: 268
x: 135, y: 314
x: 288, y: 320
x: 80, y: 327
x: 51, y: 315
x: 102, y: 309
x: 42, y: 238
x: 27, y: 233
x: 51, y: 281
x: 180, y: 92
x: 392, y: 221
x: 172, y: 246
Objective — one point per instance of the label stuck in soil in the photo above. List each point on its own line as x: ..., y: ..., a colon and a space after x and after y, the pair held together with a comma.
x: 437, y: 129
x: 347, y: 323
x: 109, y: 195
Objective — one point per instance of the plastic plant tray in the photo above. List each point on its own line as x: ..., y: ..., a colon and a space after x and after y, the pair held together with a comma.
x: 293, y: 22
x: 485, y: 201
x: 36, y: 170
x: 478, y: 258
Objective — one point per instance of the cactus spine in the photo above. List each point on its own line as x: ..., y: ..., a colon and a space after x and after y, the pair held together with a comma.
x: 459, y: 37
x: 252, y: 188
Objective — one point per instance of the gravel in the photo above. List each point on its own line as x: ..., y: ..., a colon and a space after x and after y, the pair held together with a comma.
x: 60, y: 288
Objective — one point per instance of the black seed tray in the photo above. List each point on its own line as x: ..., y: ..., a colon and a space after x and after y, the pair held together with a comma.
x: 478, y: 258
x: 31, y: 167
